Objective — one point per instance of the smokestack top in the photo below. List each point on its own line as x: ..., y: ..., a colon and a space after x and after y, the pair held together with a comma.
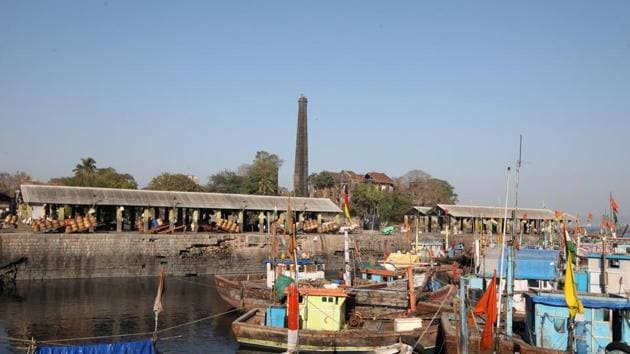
x: 302, y: 98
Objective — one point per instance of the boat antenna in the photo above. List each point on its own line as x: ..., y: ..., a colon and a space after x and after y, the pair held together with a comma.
x: 518, y: 173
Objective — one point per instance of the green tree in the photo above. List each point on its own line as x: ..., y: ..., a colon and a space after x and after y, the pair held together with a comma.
x: 394, y: 206
x: 174, y: 182
x: 86, y: 174
x: 225, y: 181
x: 10, y: 182
x: 108, y: 177
x: 262, y: 175
x: 321, y: 180
x: 366, y: 199
x: 87, y: 167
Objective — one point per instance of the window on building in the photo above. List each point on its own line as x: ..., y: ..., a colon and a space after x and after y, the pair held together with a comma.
x: 614, y: 263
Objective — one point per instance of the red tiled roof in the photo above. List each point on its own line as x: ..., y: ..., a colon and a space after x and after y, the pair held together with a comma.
x: 380, y: 178
x: 345, y: 176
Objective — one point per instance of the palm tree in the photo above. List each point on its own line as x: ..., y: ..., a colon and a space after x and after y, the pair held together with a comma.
x: 86, y: 167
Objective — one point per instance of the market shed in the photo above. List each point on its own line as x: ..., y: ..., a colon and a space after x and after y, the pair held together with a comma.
x: 420, y: 217
x: 165, y: 203
x: 474, y: 218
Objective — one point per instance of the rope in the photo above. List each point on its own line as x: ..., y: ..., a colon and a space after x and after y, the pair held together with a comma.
x: 196, y: 283
x: 13, y: 339
x: 131, y: 334
x: 434, y: 316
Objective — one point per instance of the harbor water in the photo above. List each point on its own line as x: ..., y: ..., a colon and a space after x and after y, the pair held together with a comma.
x: 80, y: 308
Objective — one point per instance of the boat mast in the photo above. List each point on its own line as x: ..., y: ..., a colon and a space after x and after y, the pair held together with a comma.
x: 346, y: 258
x: 518, y: 174
x: 510, y: 256
x: 501, y: 265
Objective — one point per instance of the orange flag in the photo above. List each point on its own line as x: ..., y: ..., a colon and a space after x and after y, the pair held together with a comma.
x: 613, y: 205
x: 487, y: 305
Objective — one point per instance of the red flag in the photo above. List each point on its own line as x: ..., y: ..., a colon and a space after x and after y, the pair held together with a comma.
x: 487, y: 305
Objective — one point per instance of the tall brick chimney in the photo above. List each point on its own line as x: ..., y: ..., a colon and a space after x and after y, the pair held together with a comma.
x: 300, y: 176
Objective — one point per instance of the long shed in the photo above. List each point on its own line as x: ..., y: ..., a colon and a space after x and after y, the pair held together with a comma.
x: 42, y: 194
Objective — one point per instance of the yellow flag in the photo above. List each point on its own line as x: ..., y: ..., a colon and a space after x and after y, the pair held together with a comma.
x: 346, y: 203
x: 570, y: 294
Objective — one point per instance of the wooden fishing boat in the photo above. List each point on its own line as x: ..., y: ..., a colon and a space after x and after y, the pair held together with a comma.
x: 256, y: 291
x: 244, y: 291
x: 324, y: 327
x: 369, y: 300
x: 436, y: 301
x: 449, y: 341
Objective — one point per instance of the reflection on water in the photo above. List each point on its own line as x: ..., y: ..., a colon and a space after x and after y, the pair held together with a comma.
x: 55, y: 309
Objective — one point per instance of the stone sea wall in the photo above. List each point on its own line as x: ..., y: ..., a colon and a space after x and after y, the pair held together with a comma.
x: 58, y: 256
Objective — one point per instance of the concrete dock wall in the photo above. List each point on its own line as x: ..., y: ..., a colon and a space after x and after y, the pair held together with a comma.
x: 58, y: 256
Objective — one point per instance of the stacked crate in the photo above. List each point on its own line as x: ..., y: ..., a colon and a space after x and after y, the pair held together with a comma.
x: 227, y: 225
x: 328, y: 227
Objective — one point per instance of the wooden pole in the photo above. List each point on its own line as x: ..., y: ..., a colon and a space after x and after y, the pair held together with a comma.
x: 412, y: 295
x: 408, y: 233
x: 293, y: 317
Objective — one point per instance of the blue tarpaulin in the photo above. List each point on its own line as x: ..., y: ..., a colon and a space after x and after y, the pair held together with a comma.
x: 587, y: 301
x: 529, y: 264
x: 138, y: 347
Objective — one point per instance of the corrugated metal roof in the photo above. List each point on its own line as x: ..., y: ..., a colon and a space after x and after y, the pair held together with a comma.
x: 467, y: 211
x: 422, y: 210
x: 37, y: 194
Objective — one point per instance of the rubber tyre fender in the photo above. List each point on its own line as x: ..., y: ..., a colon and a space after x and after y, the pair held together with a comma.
x: 618, y: 347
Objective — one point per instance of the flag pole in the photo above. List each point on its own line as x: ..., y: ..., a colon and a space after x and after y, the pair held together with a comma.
x: 501, y: 281
x: 157, y: 304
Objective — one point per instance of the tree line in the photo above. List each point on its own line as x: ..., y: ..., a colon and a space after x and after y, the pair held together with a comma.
x: 414, y: 188
x: 260, y: 177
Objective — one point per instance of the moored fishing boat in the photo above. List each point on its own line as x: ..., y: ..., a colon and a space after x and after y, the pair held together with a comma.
x: 368, y: 300
x: 326, y: 327
x: 257, y: 291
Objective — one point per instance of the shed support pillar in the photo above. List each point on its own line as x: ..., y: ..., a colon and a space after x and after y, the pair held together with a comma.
x: 119, y: 218
x: 195, y: 220
x: 172, y: 217
x: 146, y: 215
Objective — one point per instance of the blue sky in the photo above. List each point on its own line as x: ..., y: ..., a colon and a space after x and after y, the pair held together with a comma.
x: 446, y: 87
